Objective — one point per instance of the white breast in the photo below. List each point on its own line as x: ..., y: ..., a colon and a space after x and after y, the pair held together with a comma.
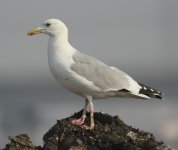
x: 60, y: 59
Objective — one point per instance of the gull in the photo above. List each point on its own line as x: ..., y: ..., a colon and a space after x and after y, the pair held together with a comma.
x: 85, y: 75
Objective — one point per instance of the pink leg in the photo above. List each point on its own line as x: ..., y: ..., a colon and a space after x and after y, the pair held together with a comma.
x: 81, y: 120
x: 91, y: 114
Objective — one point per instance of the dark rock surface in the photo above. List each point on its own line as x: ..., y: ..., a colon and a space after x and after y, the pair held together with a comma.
x: 110, y: 133
x: 20, y: 142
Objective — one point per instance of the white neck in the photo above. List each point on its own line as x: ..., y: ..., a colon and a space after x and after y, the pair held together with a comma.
x: 60, y: 46
x: 58, y: 42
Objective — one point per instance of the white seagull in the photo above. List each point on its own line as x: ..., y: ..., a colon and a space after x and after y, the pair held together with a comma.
x: 85, y: 75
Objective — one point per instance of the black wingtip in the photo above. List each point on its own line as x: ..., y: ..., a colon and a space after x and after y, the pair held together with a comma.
x: 150, y: 92
x: 158, y: 97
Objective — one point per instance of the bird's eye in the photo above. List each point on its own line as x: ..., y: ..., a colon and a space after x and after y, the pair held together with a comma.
x: 47, y: 24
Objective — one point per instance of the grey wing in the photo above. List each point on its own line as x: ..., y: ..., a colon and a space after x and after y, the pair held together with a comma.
x: 103, y: 76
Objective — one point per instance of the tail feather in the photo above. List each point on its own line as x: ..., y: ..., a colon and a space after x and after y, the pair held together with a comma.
x: 150, y: 92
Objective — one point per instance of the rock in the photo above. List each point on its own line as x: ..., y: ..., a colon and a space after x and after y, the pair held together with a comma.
x: 20, y: 142
x: 132, y: 135
x: 110, y: 133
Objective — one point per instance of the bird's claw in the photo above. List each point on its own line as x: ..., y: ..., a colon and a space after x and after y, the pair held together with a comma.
x: 79, y: 121
x: 87, y: 127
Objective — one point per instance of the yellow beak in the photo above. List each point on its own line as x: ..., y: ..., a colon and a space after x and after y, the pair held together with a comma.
x: 34, y: 31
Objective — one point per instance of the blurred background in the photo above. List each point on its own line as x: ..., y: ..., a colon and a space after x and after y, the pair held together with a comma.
x: 139, y: 37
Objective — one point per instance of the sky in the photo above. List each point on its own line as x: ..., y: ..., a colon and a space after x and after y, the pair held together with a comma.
x: 139, y: 37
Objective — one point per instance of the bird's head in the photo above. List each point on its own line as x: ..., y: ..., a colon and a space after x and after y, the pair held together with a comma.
x: 51, y: 27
